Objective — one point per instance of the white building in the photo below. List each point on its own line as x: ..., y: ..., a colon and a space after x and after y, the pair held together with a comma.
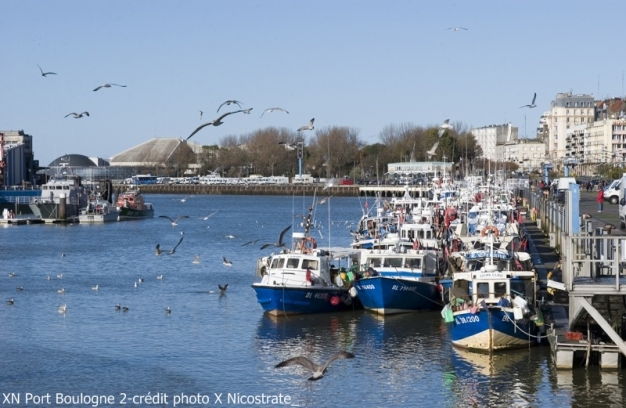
x: 566, y: 111
x: 490, y: 136
x: 527, y: 153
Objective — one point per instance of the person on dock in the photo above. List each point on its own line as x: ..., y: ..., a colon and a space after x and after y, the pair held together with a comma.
x: 600, y: 200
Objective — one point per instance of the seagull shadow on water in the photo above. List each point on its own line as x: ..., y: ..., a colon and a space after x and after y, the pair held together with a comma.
x: 318, y: 370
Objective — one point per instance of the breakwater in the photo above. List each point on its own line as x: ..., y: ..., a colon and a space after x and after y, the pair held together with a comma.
x: 289, y: 189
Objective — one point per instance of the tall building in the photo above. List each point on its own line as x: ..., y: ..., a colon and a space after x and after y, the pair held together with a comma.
x: 566, y: 111
x: 20, y: 164
x: 490, y: 136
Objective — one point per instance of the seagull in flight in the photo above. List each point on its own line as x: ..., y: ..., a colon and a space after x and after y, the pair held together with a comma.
x: 443, y: 127
x: 532, y: 104
x: 215, y: 122
x: 249, y: 242
x: 108, y: 86
x: 309, y: 126
x: 201, y: 113
x: 169, y: 252
x: 43, y: 74
x: 280, y: 242
x: 318, y: 370
x: 247, y: 111
x: 174, y: 221
x: 77, y: 115
x: 210, y: 215
x: 432, y: 150
x: 456, y: 28
x: 228, y: 102
x: 289, y: 146
x: 227, y: 262
x: 270, y: 110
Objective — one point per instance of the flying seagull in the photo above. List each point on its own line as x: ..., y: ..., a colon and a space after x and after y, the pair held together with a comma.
x: 249, y: 242
x: 443, y: 127
x: 318, y: 370
x: 309, y: 126
x: 215, y: 122
x: 210, y: 215
x: 43, y: 74
x: 247, y: 111
x: 456, y: 28
x: 289, y: 146
x: 108, y: 86
x: 532, y: 104
x: 227, y: 262
x: 228, y: 102
x: 77, y: 115
x: 169, y: 252
x: 432, y: 150
x: 280, y: 242
x: 270, y: 110
x: 174, y: 221
x: 222, y: 288
x: 201, y: 113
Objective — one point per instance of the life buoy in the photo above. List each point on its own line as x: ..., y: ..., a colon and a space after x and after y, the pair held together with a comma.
x: 308, y: 244
x: 491, y: 228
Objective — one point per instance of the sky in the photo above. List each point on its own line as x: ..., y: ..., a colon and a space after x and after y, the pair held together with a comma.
x: 361, y: 64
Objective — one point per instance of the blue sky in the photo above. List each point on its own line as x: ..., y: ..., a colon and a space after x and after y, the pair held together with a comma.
x: 362, y: 64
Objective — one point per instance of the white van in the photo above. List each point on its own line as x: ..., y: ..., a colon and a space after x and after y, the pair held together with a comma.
x: 622, y: 202
x: 611, y: 193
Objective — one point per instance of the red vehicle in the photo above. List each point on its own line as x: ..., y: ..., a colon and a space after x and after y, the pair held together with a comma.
x: 346, y: 182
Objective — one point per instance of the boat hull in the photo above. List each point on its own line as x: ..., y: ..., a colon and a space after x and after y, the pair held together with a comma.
x: 97, y: 218
x: 491, y: 329
x: 280, y: 300
x: 51, y: 210
x: 387, y: 295
x: 132, y: 214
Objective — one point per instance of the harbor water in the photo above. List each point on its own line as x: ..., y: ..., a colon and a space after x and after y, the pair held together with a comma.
x: 219, y: 349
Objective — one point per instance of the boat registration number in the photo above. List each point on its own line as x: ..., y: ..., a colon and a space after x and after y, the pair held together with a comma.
x: 365, y: 287
x: 310, y: 295
x: 466, y: 319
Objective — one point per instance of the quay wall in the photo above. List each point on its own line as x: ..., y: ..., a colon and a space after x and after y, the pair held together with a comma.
x: 341, y: 191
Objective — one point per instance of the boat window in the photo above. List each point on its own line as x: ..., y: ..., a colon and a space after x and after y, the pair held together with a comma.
x: 519, y: 288
x: 278, y: 263
x: 310, y: 263
x: 393, y: 262
x: 414, y: 263
x: 375, y: 262
x: 293, y: 262
x: 483, y: 289
x: 499, y: 288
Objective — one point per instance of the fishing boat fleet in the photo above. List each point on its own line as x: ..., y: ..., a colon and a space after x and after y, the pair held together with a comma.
x: 457, y: 250
x: 66, y: 198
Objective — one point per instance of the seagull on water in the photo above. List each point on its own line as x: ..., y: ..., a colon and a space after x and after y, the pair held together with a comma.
x: 43, y: 74
x: 77, y: 115
x: 227, y: 262
x: 174, y: 221
x: 215, y: 122
x: 62, y: 308
x: 10, y: 302
x: 196, y: 260
x: 432, y: 150
x: 270, y: 110
x: 108, y: 86
x: 222, y: 288
x: 118, y: 306
x: 168, y: 251
x: 280, y: 242
x: 12, y: 275
x: 532, y: 104
x: 61, y: 291
x: 456, y: 28
x: 168, y: 310
x: 443, y: 127
x: 308, y: 127
x: 318, y: 370
x: 20, y: 288
x: 124, y: 308
x: 228, y: 102
x: 95, y: 287
x: 159, y: 277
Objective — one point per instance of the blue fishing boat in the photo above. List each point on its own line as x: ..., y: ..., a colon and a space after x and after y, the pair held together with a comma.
x: 400, y: 281
x: 492, y: 308
x: 303, y: 279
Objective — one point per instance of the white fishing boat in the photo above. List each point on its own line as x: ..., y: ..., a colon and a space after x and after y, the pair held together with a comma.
x: 98, y: 211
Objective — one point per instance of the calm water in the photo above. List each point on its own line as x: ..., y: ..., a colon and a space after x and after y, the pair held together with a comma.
x: 224, y: 344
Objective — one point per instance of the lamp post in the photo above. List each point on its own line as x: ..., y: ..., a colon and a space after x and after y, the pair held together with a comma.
x: 300, y: 147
